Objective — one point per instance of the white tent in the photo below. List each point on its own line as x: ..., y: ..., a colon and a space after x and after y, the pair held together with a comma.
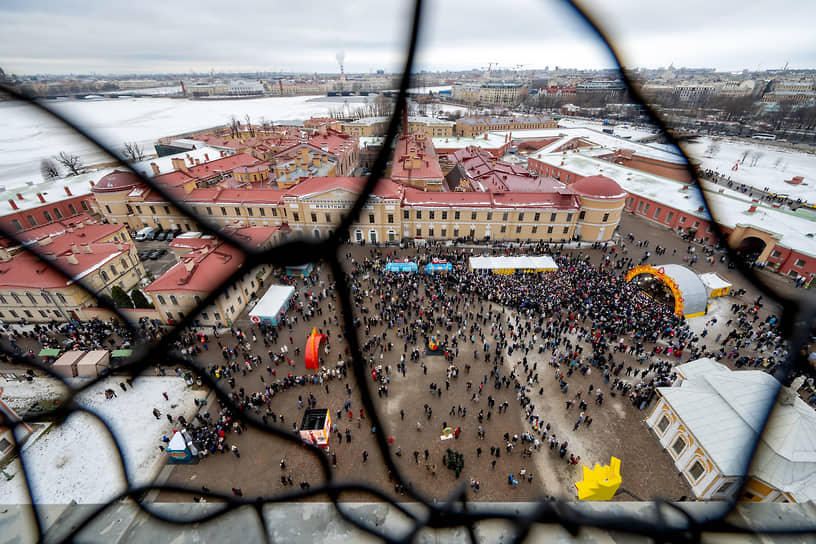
x: 714, y: 284
x: 272, y: 305
x: 508, y: 265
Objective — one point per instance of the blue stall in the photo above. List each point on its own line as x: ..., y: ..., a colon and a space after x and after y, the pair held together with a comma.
x: 302, y: 271
x: 401, y: 265
x: 438, y: 266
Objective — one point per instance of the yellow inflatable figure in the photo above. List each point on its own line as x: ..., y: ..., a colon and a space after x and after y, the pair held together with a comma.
x: 601, y: 482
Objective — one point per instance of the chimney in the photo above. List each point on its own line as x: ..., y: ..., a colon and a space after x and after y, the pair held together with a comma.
x: 179, y: 164
x: 324, y: 147
x: 71, y: 259
x: 41, y: 197
x: 13, y: 205
x: 197, y: 162
x: 68, y: 191
x: 19, y: 196
x: 207, y: 157
x: 86, y: 248
x: 74, y: 248
x: 155, y: 168
x: 752, y: 209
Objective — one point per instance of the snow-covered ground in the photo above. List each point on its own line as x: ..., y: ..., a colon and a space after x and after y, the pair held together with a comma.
x: 764, y: 166
x: 77, y: 460
x: 632, y: 131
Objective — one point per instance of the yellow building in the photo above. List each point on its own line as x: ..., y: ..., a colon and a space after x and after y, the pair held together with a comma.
x: 497, y: 93
x: 709, y: 420
x: 98, y: 257
x: 313, y: 208
x: 602, y: 203
x: 471, y: 127
x: 378, y: 126
x: 182, y: 288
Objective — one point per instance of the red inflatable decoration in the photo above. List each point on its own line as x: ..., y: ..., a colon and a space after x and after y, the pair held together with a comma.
x: 313, y: 344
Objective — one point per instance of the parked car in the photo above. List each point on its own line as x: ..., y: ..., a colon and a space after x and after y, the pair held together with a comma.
x: 144, y: 255
x: 156, y: 232
x: 153, y: 254
x: 145, y: 234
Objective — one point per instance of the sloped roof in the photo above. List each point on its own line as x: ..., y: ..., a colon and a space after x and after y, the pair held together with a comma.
x: 725, y: 409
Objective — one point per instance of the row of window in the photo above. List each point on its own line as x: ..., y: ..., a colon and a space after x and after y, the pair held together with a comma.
x: 503, y: 230
x: 126, y: 264
x: 473, y: 215
x: 43, y: 313
x: 32, y: 299
x: 32, y: 221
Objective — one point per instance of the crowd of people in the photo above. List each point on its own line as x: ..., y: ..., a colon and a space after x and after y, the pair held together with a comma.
x: 499, y: 337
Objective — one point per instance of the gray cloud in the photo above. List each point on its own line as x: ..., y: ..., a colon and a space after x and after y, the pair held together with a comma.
x: 150, y: 36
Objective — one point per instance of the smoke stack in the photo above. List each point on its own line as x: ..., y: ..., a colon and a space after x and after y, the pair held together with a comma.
x: 41, y: 197
x: 206, y: 157
x: 68, y: 191
x: 13, y: 205
x: 19, y: 196
x: 155, y: 168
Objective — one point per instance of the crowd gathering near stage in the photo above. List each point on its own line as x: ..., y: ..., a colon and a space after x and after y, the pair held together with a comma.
x: 509, y: 349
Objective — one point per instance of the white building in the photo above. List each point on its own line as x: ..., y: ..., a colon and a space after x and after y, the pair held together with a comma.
x: 708, y: 423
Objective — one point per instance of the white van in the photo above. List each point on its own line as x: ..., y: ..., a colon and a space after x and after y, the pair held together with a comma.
x: 144, y: 234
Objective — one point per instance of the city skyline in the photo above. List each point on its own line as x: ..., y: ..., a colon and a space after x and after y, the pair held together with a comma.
x: 200, y: 37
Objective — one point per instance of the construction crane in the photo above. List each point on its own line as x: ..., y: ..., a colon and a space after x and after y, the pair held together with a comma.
x: 489, y: 68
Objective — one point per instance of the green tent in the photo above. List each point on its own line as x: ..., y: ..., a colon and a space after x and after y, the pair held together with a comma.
x: 49, y: 352
x: 122, y: 353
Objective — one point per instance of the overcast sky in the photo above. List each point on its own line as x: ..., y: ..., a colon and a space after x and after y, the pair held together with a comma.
x: 74, y: 36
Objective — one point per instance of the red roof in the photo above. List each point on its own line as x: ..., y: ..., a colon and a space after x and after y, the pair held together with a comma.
x: 598, y: 187
x: 117, y: 180
x: 415, y: 159
x: 26, y: 271
x: 385, y: 188
x: 200, y: 270
x: 338, y: 142
x: 416, y: 197
x: 206, y: 170
x: 559, y: 200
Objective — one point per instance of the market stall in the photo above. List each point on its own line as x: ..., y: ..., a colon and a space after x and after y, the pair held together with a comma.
x: 315, y: 428
x: 93, y: 363
x: 401, y: 265
x: 273, y: 305
x: 66, y: 366
x: 715, y: 285
x: 511, y: 265
x: 301, y: 271
x: 438, y: 266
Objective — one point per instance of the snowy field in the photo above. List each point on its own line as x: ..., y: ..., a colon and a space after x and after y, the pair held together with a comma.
x: 620, y: 130
x: 78, y: 459
x: 764, y: 166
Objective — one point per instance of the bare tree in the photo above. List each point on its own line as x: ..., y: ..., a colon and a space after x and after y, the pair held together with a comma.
x: 235, y: 126
x: 71, y: 162
x: 49, y: 169
x: 249, y: 126
x: 744, y: 156
x: 133, y: 152
x: 712, y: 149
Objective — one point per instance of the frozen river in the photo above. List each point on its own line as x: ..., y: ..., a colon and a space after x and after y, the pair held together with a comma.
x: 27, y: 136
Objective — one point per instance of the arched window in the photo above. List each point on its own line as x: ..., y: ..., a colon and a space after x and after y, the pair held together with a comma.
x: 104, y: 276
x: 31, y: 298
x: 174, y: 300
x: 61, y: 297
